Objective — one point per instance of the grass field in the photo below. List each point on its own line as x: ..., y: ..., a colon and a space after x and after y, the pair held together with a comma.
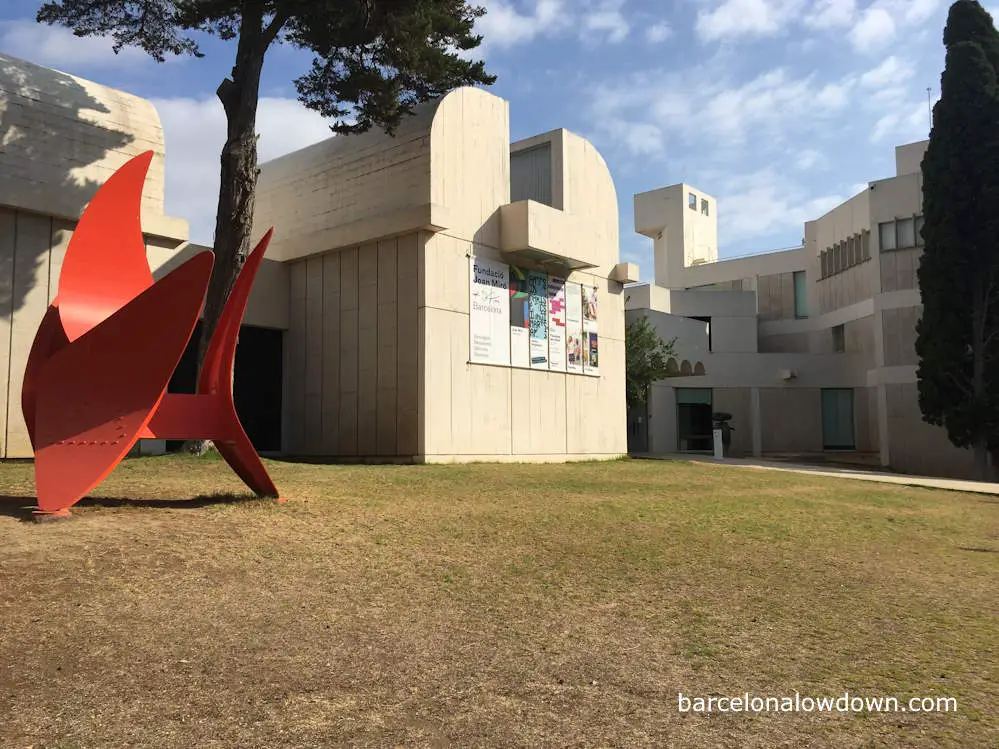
x: 492, y: 605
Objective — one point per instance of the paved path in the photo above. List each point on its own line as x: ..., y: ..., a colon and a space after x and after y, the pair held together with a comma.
x: 954, y: 485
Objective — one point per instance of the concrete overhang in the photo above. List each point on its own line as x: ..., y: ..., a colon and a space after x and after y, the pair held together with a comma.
x: 429, y: 217
x: 539, y: 233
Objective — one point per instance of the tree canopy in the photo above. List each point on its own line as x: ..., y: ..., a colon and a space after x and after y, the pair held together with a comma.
x: 646, y: 355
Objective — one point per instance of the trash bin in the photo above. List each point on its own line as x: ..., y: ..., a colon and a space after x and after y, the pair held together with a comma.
x: 722, y: 433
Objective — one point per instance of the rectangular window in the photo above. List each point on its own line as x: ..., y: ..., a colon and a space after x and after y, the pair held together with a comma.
x: 839, y: 339
x: 692, y: 202
x: 906, y: 232
x: 704, y: 207
x: 887, y: 235
x: 800, y: 295
x: 824, y: 265
x: 865, y: 244
x: 919, y: 231
x: 851, y: 252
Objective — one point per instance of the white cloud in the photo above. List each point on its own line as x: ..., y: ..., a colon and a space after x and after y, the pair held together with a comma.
x: 58, y: 47
x: 770, y: 107
x: 765, y: 202
x: 606, y: 22
x: 904, y: 126
x: 809, y: 159
x: 829, y: 14
x: 889, y: 73
x: 195, y: 131
x: 505, y: 26
x: 874, y: 31
x: 735, y: 18
x: 658, y: 32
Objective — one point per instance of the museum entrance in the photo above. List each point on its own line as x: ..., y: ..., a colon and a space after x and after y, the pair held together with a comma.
x: 256, y: 386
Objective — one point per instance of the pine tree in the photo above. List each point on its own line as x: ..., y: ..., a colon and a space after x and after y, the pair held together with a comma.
x: 958, y: 334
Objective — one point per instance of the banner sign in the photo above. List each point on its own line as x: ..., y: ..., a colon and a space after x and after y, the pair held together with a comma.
x: 574, y: 328
x: 529, y: 319
x: 489, y: 312
x: 591, y: 360
x: 556, y: 324
x: 537, y: 287
x: 520, y: 319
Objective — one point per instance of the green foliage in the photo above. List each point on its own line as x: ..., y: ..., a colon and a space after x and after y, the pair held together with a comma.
x: 372, y: 61
x: 958, y: 335
x: 646, y: 355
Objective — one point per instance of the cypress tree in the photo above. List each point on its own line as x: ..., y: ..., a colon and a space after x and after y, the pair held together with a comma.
x: 958, y: 335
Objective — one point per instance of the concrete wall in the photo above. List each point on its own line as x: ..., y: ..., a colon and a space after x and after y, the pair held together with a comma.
x: 909, y: 158
x: 775, y: 296
x: 791, y: 420
x: 899, y: 269
x: 353, y: 350
x: 736, y: 401
x: 63, y: 136
x: 847, y: 287
x: 918, y: 447
x: 347, y: 190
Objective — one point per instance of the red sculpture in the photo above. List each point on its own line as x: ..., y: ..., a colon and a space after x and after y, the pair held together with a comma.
x: 98, y: 370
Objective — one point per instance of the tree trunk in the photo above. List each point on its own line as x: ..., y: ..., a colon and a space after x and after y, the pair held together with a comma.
x: 239, y: 95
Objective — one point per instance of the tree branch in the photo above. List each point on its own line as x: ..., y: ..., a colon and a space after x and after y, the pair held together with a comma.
x: 274, y: 28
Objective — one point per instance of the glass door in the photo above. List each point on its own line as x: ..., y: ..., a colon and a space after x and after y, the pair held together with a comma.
x: 837, y: 420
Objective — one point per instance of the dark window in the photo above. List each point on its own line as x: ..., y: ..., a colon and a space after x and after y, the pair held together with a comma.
x: 704, y: 207
x: 708, y: 321
x: 839, y: 339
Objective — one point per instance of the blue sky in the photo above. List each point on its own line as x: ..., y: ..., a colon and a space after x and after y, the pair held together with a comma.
x: 779, y: 108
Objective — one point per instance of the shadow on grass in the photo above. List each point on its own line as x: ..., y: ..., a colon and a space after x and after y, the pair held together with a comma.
x: 22, y: 507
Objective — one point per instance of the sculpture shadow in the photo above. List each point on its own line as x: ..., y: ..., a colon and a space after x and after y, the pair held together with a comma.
x: 39, y: 109
x: 21, y: 507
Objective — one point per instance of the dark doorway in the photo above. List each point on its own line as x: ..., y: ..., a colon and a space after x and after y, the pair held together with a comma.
x: 256, y: 387
x: 694, y: 425
x: 638, y: 428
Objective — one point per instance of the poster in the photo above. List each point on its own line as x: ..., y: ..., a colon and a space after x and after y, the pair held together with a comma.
x: 556, y: 324
x: 589, y: 307
x: 537, y: 288
x: 591, y: 358
x: 573, y: 328
x: 520, y: 335
x: 489, y: 312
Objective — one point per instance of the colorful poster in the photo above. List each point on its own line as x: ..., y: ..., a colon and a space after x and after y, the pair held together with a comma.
x: 589, y: 308
x: 556, y: 324
x: 591, y: 360
x: 573, y: 328
x: 520, y: 319
x: 537, y: 288
x: 489, y: 312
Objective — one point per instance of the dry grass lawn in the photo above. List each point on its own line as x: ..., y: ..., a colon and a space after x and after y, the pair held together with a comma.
x: 492, y: 605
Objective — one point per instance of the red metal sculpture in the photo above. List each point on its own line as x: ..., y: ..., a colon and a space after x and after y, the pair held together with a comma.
x: 98, y: 370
